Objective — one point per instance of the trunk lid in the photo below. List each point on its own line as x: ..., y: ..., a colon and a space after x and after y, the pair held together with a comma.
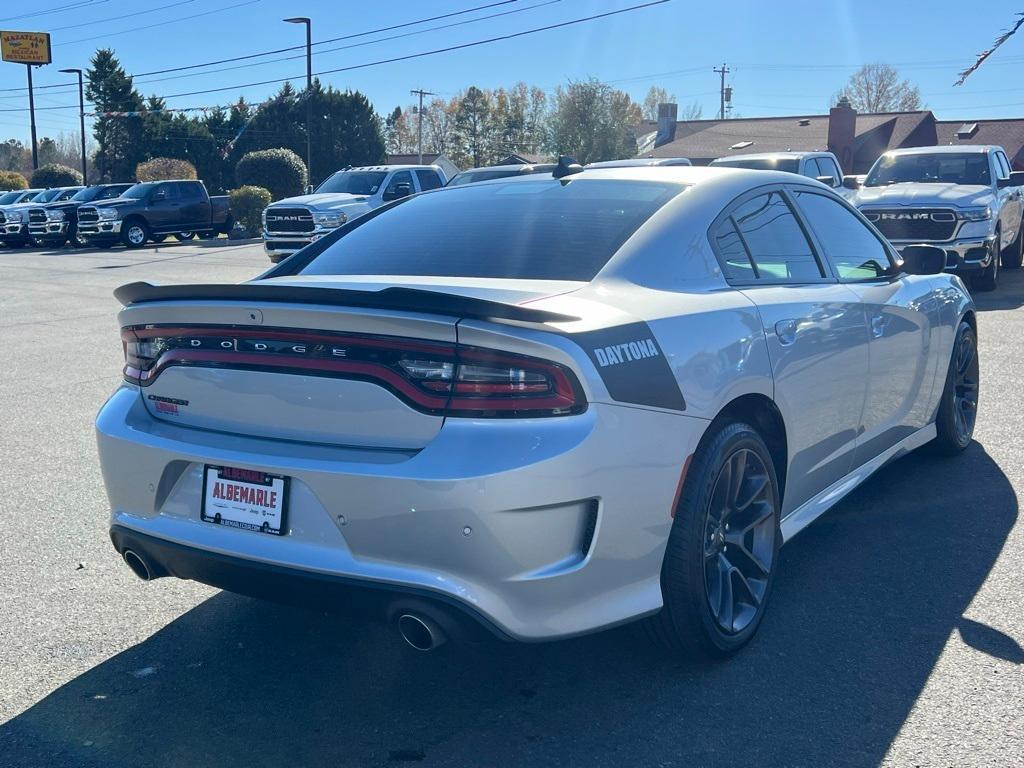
x: 351, y: 376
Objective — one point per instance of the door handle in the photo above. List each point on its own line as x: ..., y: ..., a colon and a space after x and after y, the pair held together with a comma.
x: 878, y: 325
x: 786, y: 331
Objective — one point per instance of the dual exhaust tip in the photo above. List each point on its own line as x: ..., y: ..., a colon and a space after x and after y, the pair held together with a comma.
x: 419, y: 630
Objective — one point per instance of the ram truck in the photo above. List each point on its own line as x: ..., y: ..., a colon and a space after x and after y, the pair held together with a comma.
x: 54, y: 224
x: 14, y: 219
x: 966, y: 200
x: 823, y: 166
x: 153, y: 210
x: 295, y: 222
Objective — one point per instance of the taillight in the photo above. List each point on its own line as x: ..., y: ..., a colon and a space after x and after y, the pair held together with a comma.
x: 431, y: 376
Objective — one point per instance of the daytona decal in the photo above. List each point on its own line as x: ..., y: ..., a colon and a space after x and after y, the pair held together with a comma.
x: 632, y: 365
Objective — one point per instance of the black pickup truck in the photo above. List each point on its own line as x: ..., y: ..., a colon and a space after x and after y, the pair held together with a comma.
x: 53, y: 224
x: 151, y: 211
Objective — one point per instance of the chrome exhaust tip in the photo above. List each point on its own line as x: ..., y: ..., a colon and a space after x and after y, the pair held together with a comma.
x: 420, y: 632
x: 139, y: 567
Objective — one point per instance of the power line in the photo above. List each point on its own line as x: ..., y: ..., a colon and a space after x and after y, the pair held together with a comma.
x: 434, y: 52
x: 63, y: 87
x: 161, y: 23
x: 59, y: 9
x: 122, y: 16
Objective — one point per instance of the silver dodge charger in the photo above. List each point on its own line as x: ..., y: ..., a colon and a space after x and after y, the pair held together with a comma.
x: 536, y: 407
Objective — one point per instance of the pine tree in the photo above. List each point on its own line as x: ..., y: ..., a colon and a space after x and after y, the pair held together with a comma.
x: 120, y: 139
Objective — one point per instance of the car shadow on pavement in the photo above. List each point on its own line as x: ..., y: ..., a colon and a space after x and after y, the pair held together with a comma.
x: 1008, y: 295
x: 866, y: 600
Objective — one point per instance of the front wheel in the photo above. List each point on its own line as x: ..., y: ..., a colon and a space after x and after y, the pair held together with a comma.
x: 986, y: 279
x: 76, y: 240
x: 134, y: 234
x: 723, y: 547
x: 958, y: 408
x: 183, y: 236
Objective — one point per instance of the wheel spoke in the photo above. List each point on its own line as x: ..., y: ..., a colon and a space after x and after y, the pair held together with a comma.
x: 737, y: 475
x: 756, y: 485
x: 737, y: 544
x: 726, y: 606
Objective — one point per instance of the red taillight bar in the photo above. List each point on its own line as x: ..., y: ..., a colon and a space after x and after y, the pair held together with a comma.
x: 369, y: 358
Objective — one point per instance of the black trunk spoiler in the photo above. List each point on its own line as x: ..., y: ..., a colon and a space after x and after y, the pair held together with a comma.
x: 404, y: 299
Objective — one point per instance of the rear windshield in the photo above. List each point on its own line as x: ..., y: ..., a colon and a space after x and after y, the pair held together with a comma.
x: 788, y: 164
x: 544, y: 230
x: 951, y: 168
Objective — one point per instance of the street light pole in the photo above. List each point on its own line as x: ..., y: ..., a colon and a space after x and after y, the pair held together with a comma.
x: 81, y: 117
x: 309, y: 90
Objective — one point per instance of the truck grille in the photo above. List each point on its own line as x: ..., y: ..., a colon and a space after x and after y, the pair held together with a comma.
x: 37, y: 216
x: 88, y: 215
x: 914, y: 223
x: 289, y: 220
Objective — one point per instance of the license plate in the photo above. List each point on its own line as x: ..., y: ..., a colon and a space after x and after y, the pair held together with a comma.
x: 244, y: 498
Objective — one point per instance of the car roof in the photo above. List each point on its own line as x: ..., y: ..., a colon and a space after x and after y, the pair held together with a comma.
x: 512, y: 167
x: 957, y: 149
x: 423, y: 167
x: 633, y: 162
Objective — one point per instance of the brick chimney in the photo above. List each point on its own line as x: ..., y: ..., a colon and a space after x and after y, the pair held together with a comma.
x: 842, y: 129
x: 667, y: 116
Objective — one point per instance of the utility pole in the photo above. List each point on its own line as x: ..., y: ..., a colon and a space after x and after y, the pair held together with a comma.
x: 81, y: 117
x: 419, y: 119
x: 723, y: 72
x: 32, y: 119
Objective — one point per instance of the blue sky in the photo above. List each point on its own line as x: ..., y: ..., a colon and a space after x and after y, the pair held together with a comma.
x: 787, y: 56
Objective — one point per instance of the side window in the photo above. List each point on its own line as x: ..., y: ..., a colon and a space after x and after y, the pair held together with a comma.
x: 110, y: 193
x: 428, y: 180
x: 828, y: 167
x: 170, y: 191
x: 1003, y: 164
x: 735, y: 260
x: 189, y: 191
x: 67, y: 194
x: 391, y: 190
x: 774, y: 240
x: 852, y: 249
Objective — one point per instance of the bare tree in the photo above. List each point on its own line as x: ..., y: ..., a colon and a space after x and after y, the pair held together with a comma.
x: 692, y: 111
x: 878, y: 88
x: 655, y: 96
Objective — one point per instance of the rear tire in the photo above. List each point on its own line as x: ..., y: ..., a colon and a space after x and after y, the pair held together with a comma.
x: 716, y: 582
x: 157, y: 238
x: 1011, y: 257
x: 184, y: 236
x: 134, y: 233
x: 958, y: 408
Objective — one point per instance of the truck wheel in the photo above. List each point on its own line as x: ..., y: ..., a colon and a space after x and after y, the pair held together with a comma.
x: 76, y: 240
x: 183, y: 236
x: 208, y: 235
x: 158, y: 238
x: 134, y: 233
x: 986, y: 279
x: 1012, y: 256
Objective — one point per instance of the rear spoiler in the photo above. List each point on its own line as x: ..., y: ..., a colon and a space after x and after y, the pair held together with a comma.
x: 405, y: 299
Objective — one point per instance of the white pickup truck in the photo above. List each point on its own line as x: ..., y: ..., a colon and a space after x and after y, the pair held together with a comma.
x: 295, y: 222
x: 963, y: 199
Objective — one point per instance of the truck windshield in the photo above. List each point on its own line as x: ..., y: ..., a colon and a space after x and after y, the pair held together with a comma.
x: 471, y: 177
x: 47, y: 195
x: 10, y: 197
x: 924, y: 168
x: 788, y: 164
x: 543, y: 230
x: 138, y: 191
x: 353, y: 182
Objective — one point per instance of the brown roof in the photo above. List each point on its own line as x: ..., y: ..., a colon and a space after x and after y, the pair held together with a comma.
x: 1007, y: 133
x: 708, y: 139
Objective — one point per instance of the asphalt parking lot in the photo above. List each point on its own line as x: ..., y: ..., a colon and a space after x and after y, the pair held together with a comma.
x: 895, y: 635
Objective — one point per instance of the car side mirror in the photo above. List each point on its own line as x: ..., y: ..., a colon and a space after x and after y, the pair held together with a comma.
x: 923, y: 260
x: 828, y: 181
x: 157, y: 196
x: 850, y: 182
x: 399, y: 191
x: 308, y: 190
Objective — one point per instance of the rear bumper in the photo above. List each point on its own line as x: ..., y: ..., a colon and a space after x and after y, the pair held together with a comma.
x: 546, y: 528
x: 963, y: 256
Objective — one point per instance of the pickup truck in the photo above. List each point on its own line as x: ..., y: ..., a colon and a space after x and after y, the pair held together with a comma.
x: 823, y: 166
x: 152, y: 210
x: 963, y: 199
x: 53, y: 224
x: 14, y: 224
x: 295, y: 222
